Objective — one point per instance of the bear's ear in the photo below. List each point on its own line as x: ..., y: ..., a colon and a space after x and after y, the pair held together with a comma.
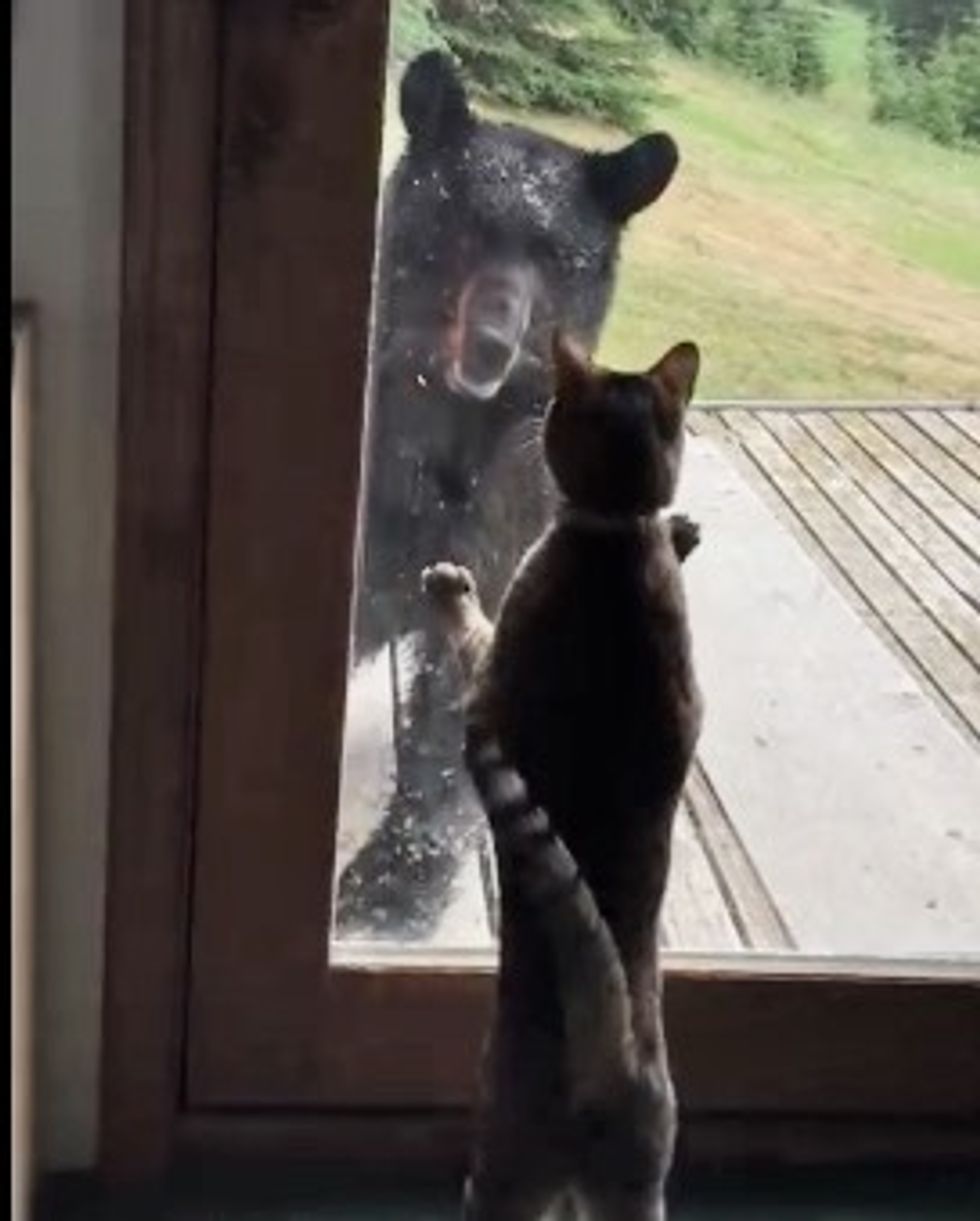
x: 674, y: 376
x: 630, y: 179
x: 433, y: 100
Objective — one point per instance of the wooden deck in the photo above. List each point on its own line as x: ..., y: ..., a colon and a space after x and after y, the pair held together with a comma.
x: 889, y: 502
x: 835, y: 602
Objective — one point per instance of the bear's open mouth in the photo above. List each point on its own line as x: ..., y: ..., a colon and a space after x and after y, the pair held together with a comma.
x: 493, y: 316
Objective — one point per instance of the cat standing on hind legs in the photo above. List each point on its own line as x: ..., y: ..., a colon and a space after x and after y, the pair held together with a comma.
x: 581, y: 723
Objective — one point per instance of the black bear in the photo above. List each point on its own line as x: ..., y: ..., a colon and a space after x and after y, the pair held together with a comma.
x: 493, y: 235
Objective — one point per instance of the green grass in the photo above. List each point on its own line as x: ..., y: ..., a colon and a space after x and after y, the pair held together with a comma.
x: 951, y: 251
x: 811, y: 253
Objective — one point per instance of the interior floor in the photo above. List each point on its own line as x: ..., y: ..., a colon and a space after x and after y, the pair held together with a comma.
x: 891, y: 1194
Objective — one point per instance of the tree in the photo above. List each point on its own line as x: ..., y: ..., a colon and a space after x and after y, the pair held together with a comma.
x: 779, y: 42
x: 569, y: 56
x: 681, y: 23
x: 938, y: 92
x: 920, y: 25
x: 888, y: 82
x: 809, y: 73
x: 967, y: 71
x: 936, y: 105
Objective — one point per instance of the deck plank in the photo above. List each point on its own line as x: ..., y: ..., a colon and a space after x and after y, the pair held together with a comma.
x: 941, y: 601
x: 932, y: 458
x: 948, y: 555
x: 853, y: 795
x: 956, y: 444
x: 752, y: 908
x: 695, y: 916
x: 928, y: 492
x: 921, y: 642
x: 967, y: 422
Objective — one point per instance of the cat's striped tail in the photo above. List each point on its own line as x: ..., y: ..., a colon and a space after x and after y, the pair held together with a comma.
x: 533, y: 858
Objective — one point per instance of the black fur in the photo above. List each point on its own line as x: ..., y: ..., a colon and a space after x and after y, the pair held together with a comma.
x: 489, y: 225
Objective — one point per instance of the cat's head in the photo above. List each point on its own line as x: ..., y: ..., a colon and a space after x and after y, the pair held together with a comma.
x: 613, y: 441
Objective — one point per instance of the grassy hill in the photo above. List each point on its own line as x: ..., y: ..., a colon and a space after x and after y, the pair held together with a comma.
x: 810, y: 252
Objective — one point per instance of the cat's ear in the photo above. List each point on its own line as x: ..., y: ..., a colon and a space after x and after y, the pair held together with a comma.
x: 433, y: 101
x: 674, y: 376
x: 573, y: 370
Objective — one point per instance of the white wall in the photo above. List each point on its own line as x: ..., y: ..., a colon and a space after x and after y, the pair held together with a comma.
x: 66, y: 169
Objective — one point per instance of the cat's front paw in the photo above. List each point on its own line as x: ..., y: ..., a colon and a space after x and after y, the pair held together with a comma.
x: 447, y: 585
x: 685, y: 534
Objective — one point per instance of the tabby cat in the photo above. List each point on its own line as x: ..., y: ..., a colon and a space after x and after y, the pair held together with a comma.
x: 582, y: 719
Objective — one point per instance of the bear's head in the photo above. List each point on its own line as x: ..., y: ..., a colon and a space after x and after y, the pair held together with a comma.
x: 495, y: 234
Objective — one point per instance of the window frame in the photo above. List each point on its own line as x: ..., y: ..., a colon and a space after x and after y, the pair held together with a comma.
x: 276, y: 1053
x: 24, y: 325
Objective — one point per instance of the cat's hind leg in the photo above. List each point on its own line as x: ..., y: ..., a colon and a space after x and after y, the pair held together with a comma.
x: 452, y: 593
x: 625, y: 1159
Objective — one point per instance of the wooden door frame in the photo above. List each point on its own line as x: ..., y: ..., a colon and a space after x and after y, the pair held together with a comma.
x: 172, y: 77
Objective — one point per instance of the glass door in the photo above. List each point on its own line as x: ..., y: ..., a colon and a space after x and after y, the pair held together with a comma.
x: 834, y: 465
x: 823, y: 907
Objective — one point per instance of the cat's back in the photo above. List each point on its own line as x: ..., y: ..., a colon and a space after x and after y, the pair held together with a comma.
x: 592, y: 663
